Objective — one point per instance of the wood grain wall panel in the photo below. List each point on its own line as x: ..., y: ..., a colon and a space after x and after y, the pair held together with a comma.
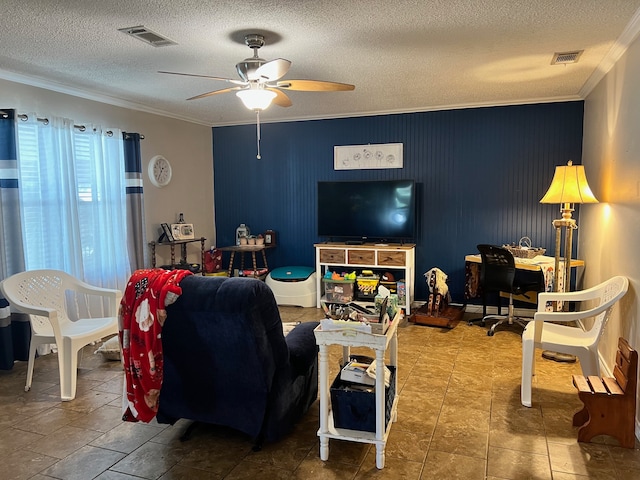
x: 480, y: 174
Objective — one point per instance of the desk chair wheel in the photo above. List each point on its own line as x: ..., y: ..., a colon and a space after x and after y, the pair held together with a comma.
x: 473, y: 322
x: 490, y: 333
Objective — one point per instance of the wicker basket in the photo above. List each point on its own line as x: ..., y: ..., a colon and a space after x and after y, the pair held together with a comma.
x: 524, y: 249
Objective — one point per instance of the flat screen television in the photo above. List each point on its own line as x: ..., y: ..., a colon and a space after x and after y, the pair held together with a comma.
x: 383, y: 210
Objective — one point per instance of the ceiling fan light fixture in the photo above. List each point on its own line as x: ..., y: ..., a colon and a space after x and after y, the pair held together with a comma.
x: 256, y: 99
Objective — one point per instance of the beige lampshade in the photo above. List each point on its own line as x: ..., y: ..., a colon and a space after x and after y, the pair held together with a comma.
x: 569, y: 185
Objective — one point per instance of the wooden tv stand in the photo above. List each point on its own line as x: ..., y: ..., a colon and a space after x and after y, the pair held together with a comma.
x: 388, y: 256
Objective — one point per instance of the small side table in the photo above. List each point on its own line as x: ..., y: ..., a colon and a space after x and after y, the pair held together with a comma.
x: 380, y: 344
x: 243, y: 249
x: 183, y: 251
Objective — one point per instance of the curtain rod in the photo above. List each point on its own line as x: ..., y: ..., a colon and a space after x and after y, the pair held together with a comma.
x: 24, y: 117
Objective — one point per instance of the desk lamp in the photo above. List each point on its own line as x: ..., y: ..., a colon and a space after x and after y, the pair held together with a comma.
x: 568, y: 187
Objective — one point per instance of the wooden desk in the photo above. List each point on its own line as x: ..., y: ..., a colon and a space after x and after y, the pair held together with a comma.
x: 533, y: 264
x: 541, y: 263
x: 243, y: 249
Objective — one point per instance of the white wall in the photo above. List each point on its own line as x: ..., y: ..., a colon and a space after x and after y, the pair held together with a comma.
x: 609, y: 232
x: 187, y: 146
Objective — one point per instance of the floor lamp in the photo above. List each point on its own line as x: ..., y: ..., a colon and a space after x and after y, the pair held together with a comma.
x: 568, y: 187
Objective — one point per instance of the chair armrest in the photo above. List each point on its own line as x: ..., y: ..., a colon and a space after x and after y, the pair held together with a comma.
x: 571, y: 316
x: 560, y: 316
x: 32, y: 309
x: 582, y: 295
x: 93, y: 290
x: 303, y: 350
x: 114, y: 296
x: 50, y: 313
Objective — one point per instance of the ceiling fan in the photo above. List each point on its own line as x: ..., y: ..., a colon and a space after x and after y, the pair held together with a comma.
x: 260, y: 82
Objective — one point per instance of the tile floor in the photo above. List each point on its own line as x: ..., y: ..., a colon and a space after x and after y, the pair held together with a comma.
x: 459, y: 416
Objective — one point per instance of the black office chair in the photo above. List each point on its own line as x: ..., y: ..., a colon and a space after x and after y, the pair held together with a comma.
x: 498, y: 274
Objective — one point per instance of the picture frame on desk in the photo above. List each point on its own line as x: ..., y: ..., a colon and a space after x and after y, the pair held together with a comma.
x: 166, y: 233
x: 182, y: 231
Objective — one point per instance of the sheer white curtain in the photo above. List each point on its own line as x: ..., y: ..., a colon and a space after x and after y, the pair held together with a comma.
x: 72, y: 195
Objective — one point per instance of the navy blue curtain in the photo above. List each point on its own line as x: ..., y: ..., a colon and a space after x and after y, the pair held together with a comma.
x: 135, y: 201
x: 15, y: 330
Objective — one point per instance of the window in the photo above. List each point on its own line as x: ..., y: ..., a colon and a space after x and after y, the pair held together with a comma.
x: 72, y: 195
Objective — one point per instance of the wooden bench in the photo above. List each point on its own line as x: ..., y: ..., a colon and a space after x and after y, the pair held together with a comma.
x: 609, y: 403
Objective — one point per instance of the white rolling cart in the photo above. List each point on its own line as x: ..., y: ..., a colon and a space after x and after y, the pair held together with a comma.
x: 380, y: 344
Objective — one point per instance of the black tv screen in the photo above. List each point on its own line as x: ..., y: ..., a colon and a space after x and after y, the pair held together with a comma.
x: 374, y: 210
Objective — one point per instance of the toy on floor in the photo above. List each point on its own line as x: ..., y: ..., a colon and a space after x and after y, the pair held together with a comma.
x: 439, y: 296
x: 437, y: 311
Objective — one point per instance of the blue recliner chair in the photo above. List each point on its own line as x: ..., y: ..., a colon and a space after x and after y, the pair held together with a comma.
x: 227, y: 362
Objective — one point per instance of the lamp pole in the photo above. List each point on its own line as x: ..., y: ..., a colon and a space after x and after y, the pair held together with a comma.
x: 569, y: 225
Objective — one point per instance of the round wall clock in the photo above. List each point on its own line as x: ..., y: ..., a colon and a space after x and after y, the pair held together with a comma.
x: 159, y: 171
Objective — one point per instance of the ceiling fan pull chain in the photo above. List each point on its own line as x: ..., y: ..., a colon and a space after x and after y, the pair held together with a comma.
x: 258, y: 133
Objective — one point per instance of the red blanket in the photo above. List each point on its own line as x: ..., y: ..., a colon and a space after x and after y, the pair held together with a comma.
x: 142, y: 314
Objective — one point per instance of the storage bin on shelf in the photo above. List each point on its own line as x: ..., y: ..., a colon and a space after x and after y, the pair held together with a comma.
x: 338, y: 290
x: 367, y: 286
x: 354, y: 406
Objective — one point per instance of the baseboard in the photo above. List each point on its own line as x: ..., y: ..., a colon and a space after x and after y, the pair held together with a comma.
x: 520, y: 312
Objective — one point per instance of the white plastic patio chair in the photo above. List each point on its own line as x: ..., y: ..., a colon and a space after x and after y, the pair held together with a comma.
x: 597, y: 303
x: 53, y: 300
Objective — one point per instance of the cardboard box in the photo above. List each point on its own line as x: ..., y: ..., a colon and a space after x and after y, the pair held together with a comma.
x: 392, y: 304
x: 354, y: 407
x: 356, y: 372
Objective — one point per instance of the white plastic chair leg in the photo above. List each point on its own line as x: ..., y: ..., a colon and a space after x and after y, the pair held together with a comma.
x: 528, y: 359
x: 589, y: 362
x: 32, y: 359
x: 68, y: 367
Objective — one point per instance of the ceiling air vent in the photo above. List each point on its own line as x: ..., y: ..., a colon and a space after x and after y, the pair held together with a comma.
x: 566, y: 57
x: 147, y: 36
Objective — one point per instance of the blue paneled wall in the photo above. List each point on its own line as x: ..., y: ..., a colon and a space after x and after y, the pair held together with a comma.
x: 480, y: 172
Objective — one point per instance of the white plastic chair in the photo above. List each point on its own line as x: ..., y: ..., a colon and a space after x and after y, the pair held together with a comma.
x: 47, y: 295
x: 597, y: 303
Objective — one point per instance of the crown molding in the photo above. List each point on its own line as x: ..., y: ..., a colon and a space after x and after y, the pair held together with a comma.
x: 117, y: 102
x: 626, y: 38
x: 89, y: 95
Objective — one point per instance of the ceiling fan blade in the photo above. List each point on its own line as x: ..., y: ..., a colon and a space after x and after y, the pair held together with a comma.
x: 273, y: 70
x: 237, y: 82
x: 314, y: 86
x: 281, y: 99
x: 215, y: 92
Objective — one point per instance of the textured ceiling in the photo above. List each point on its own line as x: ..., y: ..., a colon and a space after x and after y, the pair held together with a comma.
x: 401, y: 55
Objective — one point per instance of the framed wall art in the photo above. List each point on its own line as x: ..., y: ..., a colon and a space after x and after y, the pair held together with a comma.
x: 372, y: 156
